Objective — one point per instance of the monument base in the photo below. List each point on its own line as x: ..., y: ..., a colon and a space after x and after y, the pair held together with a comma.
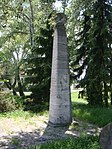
x: 59, y: 124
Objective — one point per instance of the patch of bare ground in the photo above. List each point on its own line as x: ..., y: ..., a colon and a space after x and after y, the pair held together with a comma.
x: 22, y: 133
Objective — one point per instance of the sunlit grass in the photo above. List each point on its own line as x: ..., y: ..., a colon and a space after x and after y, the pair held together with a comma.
x: 21, y: 114
x: 85, y: 142
x: 95, y: 115
x: 80, y: 110
x: 74, y: 97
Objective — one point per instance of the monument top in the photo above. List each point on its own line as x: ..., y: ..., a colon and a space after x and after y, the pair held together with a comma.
x: 61, y: 19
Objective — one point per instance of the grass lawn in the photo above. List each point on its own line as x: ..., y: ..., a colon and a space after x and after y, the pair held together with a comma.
x: 85, y: 142
x: 95, y: 115
x: 80, y: 111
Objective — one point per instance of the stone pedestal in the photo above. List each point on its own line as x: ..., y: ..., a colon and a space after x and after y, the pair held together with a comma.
x: 106, y: 137
x: 60, y: 101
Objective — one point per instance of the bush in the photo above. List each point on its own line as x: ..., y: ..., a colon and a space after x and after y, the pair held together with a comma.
x: 9, y: 102
x: 30, y: 105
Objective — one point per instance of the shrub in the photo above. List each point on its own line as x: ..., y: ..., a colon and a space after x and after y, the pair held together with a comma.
x: 9, y: 102
x: 30, y: 105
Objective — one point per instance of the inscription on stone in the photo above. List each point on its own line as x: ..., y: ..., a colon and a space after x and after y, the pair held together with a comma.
x: 60, y: 101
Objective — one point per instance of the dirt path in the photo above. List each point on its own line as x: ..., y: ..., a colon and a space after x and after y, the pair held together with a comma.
x: 18, y: 133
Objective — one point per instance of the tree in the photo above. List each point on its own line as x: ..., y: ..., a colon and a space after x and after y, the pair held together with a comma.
x: 12, y: 61
x: 39, y: 60
x: 100, y: 33
x: 39, y: 65
x: 93, y: 50
x: 17, y: 24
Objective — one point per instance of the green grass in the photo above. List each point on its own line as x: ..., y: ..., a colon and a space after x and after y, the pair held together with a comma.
x: 21, y: 114
x: 81, y: 111
x: 84, y: 142
x: 74, y: 96
x: 16, y: 142
x: 95, y: 115
x: 16, y: 114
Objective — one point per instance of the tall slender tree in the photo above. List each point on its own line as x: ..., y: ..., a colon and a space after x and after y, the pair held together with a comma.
x: 93, y: 49
x: 100, y: 52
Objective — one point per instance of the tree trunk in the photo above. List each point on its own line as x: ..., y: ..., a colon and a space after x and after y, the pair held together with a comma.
x: 11, y: 86
x: 111, y: 92
x: 105, y: 94
x: 20, y: 87
x: 31, y: 24
x: 111, y: 84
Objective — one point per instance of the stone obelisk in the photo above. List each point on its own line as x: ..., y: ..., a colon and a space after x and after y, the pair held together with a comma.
x: 60, y: 98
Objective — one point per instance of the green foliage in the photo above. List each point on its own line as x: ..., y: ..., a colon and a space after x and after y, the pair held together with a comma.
x: 97, y: 75
x: 16, y: 114
x: 84, y: 142
x: 16, y: 142
x: 35, y: 107
x: 18, y: 23
x: 92, y: 36
x: 8, y: 102
x: 39, y: 63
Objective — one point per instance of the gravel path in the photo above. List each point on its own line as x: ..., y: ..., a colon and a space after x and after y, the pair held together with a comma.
x: 22, y: 133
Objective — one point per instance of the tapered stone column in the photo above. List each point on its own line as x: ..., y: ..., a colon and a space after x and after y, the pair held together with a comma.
x: 60, y: 100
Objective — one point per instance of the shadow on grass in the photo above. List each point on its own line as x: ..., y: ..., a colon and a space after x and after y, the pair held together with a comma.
x: 19, y: 140
x: 23, y: 140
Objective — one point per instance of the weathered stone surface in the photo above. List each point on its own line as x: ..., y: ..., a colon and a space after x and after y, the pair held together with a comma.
x: 106, y: 137
x: 60, y: 101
